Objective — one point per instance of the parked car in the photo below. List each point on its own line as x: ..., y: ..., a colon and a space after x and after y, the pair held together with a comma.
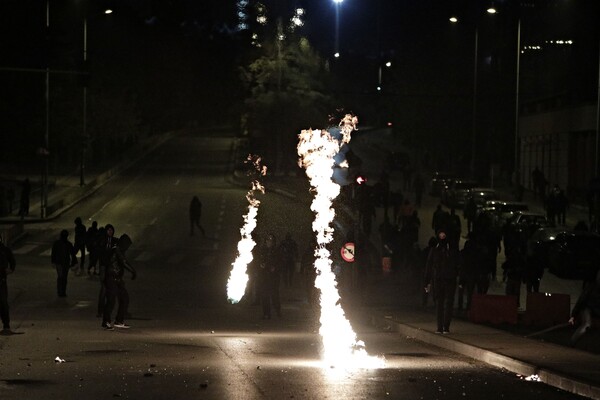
x: 540, y: 241
x: 439, y: 181
x: 456, y: 194
x: 524, y: 223
x: 575, y: 255
x: 505, y: 209
x: 481, y: 195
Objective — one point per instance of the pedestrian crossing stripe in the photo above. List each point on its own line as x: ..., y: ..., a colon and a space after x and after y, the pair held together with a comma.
x: 46, y: 253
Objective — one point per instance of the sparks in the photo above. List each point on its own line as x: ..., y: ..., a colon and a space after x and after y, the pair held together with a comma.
x: 238, y: 278
x: 317, y: 149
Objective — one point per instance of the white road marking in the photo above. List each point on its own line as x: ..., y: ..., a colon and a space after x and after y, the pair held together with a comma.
x: 177, y: 182
x: 81, y: 304
x: 46, y: 253
x: 154, y: 221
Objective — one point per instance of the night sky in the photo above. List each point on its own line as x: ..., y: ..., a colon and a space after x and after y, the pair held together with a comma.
x: 172, y: 63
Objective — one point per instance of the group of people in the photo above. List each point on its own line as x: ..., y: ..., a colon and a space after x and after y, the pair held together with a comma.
x: 106, y: 259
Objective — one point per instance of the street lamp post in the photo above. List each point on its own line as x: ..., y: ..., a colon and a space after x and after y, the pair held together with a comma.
x: 454, y: 20
x: 337, y: 27
x: 516, y: 155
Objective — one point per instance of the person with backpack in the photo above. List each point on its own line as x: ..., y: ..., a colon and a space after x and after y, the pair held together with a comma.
x: 115, y: 285
x: 91, y: 242
x: 7, y: 267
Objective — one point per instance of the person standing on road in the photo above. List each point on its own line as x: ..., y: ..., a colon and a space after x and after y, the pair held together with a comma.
x: 7, y: 267
x: 63, y: 258
x: 115, y: 286
x: 467, y: 278
x: 442, y: 272
x: 269, y: 264
x: 195, y: 214
x: 419, y: 186
x: 79, y: 243
x: 289, y: 250
x: 24, y: 201
x: 586, y: 309
x: 470, y: 213
x: 106, y: 242
x: 91, y: 243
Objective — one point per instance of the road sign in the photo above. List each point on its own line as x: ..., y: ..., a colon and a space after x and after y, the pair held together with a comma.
x: 347, y: 252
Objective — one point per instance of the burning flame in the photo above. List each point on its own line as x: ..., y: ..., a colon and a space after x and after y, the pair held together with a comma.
x: 317, y: 149
x: 238, y: 278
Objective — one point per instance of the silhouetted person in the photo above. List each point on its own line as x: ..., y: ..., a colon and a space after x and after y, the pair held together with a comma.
x: 7, y: 267
x: 63, y: 258
x: 79, y: 243
x: 195, y: 214
x: 24, y: 201
x: 269, y: 264
x: 91, y: 242
x: 419, y: 186
x: 115, y: 286
x: 442, y: 272
x: 289, y: 252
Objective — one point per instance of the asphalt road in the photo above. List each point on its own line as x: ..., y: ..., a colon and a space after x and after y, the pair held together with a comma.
x: 186, y: 341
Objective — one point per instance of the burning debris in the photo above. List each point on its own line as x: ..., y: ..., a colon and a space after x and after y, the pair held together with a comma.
x: 238, y: 278
x: 317, y: 150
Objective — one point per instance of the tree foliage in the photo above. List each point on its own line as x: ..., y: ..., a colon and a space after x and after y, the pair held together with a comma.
x: 285, y: 93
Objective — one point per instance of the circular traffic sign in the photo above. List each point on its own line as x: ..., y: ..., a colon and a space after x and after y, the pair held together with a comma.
x: 347, y: 252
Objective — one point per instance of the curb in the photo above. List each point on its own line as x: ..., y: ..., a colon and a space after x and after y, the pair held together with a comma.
x: 511, y: 364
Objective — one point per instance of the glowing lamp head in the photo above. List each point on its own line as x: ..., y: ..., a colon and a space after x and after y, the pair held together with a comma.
x: 337, y: 55
x: 108, y: 11
x: 453, y: 20
x: 492, y: 10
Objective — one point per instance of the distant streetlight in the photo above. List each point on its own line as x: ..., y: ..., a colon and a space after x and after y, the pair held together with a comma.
x: 108, y: 11
x: 492, y: 10
x: 337, y: 27
x: 453, y: 20
x: 388, y: 64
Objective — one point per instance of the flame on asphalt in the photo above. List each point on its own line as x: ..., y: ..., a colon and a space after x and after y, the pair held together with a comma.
x: 317, y: 149
x: 238, y: 278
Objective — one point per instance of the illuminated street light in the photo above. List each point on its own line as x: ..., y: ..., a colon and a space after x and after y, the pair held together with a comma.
x: 108, y: 11
x: 492, y: 10
x: 453, y: 20
x: 337, y: 27
x: 388, y: 64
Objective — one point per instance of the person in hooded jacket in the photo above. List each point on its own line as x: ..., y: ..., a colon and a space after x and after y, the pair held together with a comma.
x: 63, y: 258
x: 442, y: 272
x: 115, y: 286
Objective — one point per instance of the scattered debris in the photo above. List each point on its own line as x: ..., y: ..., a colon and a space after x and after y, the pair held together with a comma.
x: 258, y: 367
x: 59, y: 360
